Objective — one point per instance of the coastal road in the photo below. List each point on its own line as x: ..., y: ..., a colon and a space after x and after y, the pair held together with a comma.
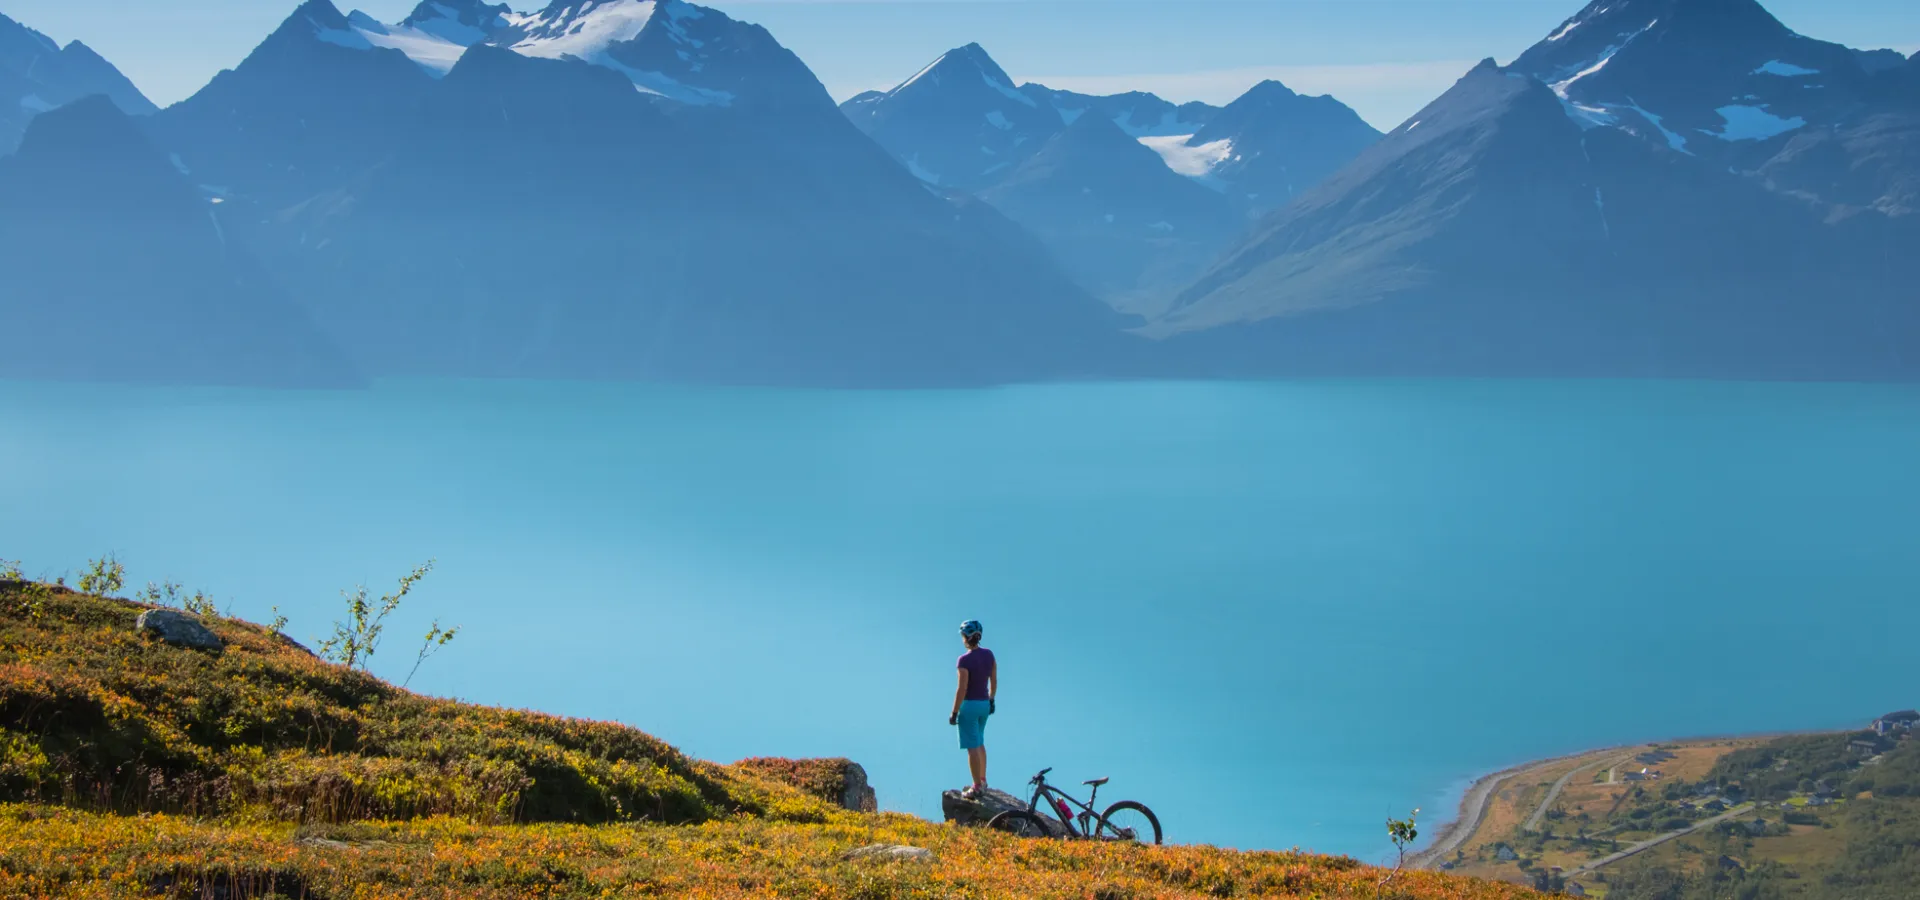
x: 1473, y: 809
x: 1553, y: 793
x: 1651, y: 843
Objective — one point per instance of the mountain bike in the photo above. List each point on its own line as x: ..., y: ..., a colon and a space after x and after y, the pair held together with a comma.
x: 1123, y: 821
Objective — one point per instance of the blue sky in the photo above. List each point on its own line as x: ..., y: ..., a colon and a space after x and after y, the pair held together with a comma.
x: 1386, y: 58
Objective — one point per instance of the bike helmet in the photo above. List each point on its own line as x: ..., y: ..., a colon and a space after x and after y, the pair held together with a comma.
x: 970, y: 628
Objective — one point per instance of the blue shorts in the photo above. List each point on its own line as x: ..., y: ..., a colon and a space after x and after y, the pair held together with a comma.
x: 973, y: 724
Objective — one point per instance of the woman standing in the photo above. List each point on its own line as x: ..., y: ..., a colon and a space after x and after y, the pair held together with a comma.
x: 973, y: 703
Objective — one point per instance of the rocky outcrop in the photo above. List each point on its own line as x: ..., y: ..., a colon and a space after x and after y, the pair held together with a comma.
x: 858, y: 794
x: 177, y: 628
x: 892, y: 851
x: 839, y: 781
x: 979, y: 811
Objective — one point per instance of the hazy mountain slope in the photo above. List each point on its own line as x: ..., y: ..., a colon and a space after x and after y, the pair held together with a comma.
x: 1273, y: 144
x: 617, y: 236
x: 118, y: 269
x: 37, y: 75
x: 957, y: 123
x: 1085, y: 191
x: 1493, y: 234
x: 313, y: 105
x: 1726, y: 81
x: 1722, y: 79
x: 1137, y: 113
x: 616, y: 190
x: 1121, y: 222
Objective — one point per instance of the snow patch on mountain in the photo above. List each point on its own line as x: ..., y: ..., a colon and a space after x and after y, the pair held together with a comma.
x: 1606, y: 56
x: 913, y: 166
x: 584, y: 30
x: 1008, y: 90
x: 1576, y: 22
x: 662, y: 86
x: 1191, y: 161
x: 920, y: 74
x: 1168, y: 125
x: 451, y: 25
x: 591, y: 31
x: 1753, y: 123
x: 1674, y: 139
x: 1588, y: 117
x: 432, y: 52
x: 1784, y: 70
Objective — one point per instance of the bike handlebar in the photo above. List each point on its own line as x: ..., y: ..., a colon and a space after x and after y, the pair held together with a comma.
x: 1042, y: 776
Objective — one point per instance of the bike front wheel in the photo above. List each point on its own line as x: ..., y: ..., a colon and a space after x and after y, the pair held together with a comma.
x: 1020, y: 823
x: 1128, y: 821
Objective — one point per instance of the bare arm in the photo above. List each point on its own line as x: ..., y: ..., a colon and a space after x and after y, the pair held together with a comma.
x: 960, y: 693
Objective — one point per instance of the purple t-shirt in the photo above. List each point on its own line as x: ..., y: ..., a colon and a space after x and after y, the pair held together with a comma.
x: 979, y: 664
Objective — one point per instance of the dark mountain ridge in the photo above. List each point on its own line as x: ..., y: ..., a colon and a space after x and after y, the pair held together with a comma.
x: 536, y: 215
x: 37, y: 75
x: 118, y: 269
x: 1493, y: 234
x: 1028, y: 151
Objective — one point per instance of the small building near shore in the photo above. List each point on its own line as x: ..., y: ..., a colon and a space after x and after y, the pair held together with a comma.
x: 1897, y: 722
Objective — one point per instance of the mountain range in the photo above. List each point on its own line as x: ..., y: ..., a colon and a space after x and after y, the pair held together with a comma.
x: 620, y: 189
x: 651, y: 189
x: 37, y: 75
x: 1658, y: 188
x: 1069, y: 166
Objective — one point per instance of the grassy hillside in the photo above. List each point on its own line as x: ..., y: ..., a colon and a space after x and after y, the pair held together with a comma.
x: 133, y: 768
x: 1841, y: 816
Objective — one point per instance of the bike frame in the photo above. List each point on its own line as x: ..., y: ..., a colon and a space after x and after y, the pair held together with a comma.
x: 1042, y: 789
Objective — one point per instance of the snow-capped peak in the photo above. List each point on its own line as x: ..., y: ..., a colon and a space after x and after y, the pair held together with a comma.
x: 662, y: 46
x: 964, y: 66
x: 583, y: 29
x: 462, y: 22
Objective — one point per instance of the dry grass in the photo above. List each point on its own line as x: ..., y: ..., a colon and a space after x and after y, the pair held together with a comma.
x: 72, y: 854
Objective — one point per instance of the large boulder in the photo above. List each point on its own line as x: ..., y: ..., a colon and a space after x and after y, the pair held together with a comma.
x: 978, y: 811
x: 858, y: 794
x: 177, y: 628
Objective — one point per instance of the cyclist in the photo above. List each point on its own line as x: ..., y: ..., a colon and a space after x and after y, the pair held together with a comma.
x: 973, y: 703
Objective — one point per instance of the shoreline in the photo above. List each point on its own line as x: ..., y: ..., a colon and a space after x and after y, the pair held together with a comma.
x: 1472, y: 805
x: 1471, y: 809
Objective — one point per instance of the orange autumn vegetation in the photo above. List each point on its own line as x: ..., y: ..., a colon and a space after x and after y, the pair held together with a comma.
x: 822, y: 778
x: 131, y: 768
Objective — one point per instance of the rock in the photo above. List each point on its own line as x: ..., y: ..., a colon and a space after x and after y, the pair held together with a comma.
x: 962, y: 811
x: 891, y: 851
x: 178, y: 628
x: 858, y: 794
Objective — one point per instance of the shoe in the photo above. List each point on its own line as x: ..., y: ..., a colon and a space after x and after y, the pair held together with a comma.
x: 972, y: 792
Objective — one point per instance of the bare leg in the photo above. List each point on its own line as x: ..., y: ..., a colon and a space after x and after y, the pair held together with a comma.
x: 977, y: 761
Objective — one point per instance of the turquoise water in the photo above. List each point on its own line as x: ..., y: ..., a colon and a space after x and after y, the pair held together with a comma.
x: 1277, y: 613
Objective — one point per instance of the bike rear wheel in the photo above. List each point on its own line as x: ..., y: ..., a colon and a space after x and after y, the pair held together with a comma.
x: 1128, y: 821
x: 1019, y: 822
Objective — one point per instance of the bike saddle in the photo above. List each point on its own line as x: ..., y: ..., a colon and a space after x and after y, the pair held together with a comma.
x: 1097, y: 781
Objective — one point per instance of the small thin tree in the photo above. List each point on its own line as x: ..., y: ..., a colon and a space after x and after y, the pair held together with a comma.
x: 437, y: 637
x: 355, y: 640
x: 104, y: 576
x: 1403, y: 832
